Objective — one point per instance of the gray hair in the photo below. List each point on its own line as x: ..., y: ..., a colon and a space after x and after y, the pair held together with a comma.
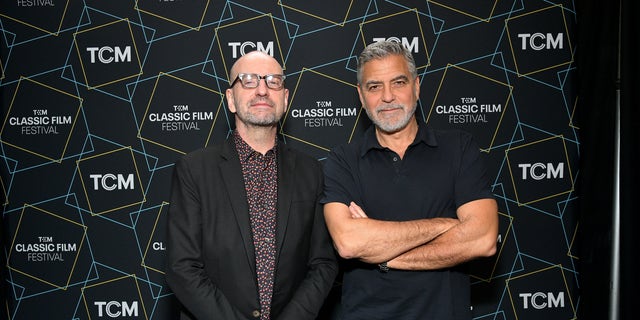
x: 383, y: 49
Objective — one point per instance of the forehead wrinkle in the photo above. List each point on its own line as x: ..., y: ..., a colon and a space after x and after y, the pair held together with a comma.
x: 400, y: 77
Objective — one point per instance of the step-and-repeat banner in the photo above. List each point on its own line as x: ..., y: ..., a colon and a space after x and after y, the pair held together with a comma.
x: 99, y: 98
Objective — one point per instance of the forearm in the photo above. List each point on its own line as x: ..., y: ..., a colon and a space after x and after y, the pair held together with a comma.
x: 375, y: 241
x: 474, y: 237
x: 446, y: 251
x: 388, y: 239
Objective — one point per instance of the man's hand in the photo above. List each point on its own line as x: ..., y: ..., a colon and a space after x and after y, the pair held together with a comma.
x: 356, y: 211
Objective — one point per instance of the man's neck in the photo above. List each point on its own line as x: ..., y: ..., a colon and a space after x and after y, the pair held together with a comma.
x: 260, y: 139
x: 400, y: 140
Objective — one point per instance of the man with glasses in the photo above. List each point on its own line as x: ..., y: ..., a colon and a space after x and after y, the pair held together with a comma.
x: 246, y: 234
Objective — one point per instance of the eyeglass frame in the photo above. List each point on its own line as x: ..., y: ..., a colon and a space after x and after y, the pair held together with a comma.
x: 266, y: 81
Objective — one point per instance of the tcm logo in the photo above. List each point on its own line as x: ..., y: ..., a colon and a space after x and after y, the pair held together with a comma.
x: 110, y: 181
x: 539, y: 41
x: 108, y: 55
x: 540, y: 171
x: 241, y: 48
x: 541, y: 300
x: 410, y: 44
x: 115, y: 309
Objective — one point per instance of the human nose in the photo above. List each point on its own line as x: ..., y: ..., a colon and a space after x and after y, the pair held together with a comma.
x: 387, y: 94
x: 262, y: 88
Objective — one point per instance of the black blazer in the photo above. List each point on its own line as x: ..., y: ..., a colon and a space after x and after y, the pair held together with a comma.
x: 211, y: 261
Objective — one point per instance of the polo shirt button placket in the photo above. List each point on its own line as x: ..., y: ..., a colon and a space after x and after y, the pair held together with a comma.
x: 396, y: 163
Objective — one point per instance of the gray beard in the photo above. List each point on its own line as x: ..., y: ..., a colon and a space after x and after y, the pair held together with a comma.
x: 254, y: 121
x: 388, y: 126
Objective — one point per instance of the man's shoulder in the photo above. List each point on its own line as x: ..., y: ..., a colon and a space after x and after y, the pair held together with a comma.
x: 352, y: 147
x: 449, y: 136
x: 300, y: 157
x: 208, y: 153
x: 345, y: 154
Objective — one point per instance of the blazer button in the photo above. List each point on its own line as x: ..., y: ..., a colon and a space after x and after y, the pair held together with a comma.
x: 255, y: 313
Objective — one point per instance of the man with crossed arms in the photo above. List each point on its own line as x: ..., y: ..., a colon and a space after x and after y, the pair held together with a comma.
x: 405, y: 204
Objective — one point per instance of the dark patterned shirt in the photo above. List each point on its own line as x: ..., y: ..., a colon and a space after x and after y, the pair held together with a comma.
x: 260, y: 174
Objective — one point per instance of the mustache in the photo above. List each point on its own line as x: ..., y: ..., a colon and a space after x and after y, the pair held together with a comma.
x: 262, y: 100
x: 387, y: 107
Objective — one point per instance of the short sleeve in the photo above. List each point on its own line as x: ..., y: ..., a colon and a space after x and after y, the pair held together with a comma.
x: 340, y: 182
x: 472, y: 182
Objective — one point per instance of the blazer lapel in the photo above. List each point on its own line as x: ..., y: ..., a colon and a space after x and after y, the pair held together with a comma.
x: 231, y: 172
x: 286, y: 171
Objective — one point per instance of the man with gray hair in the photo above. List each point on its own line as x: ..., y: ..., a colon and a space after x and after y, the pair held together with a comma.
x: 405, y: 204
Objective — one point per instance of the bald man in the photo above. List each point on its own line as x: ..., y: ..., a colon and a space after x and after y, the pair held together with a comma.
x: 246, y: 233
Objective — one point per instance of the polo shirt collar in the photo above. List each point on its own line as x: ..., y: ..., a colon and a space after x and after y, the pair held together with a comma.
x: 425, y: 135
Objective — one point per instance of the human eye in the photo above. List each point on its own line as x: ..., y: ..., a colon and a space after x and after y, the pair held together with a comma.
x: 274, y: 80
x: 249, y: 80
x: 373, y: 87
x: 399, y: 83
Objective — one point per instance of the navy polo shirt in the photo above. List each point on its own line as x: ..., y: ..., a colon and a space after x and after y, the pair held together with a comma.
x: 440, y: 171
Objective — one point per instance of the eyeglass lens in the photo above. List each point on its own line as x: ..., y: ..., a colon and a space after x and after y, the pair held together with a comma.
x: 251, y: 80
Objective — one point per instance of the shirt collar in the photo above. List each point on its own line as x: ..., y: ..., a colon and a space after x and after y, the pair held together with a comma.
x: 425, y: 135
x: 245, y: 151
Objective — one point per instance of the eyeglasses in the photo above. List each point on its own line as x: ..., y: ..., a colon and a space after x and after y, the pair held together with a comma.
x: 252, y: 80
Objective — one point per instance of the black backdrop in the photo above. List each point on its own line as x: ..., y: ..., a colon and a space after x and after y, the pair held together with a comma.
x: 86, y: 192
x: 630, y: 155
x: 609, y: 36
